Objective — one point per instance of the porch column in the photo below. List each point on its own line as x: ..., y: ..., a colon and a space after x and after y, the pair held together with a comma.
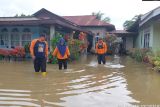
x: 9, y: 39
x: 94, y: 42
x: 20, y: 38
x: 52, y: 35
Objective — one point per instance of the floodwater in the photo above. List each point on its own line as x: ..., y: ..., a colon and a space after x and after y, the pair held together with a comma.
x: 122, y: 82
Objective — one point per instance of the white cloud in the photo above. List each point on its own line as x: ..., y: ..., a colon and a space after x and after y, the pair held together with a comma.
x: 117, y: 10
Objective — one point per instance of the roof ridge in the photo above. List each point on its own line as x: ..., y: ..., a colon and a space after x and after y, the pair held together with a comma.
x: 78, y: 15
x: 151, y: 10
x: 62, y: 18
x: 147, y: 16
x: 19, y: 17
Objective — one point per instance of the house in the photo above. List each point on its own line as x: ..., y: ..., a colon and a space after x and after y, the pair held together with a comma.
x: 125, y: 38
x: 18, y: 31
x: 91, y: 23
x: 148, y: 30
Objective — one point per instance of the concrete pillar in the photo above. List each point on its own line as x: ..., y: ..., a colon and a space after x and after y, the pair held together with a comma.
x: 20, y: 38
x: 52, y: 35
x: 9, y: 39
x: 94, y: 43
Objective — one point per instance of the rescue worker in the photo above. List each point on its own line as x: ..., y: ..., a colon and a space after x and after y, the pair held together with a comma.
x: 39, y: 53
x: 101, y: 49
x: 62, y: 53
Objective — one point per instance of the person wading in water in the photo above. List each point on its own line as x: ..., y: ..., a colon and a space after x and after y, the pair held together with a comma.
x: 62, y: 53
x: 39, y: 53
x: 101, y: 49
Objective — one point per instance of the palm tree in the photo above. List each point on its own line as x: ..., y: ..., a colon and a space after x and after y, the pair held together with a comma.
x: 107, y: 19
x: 100, y: 15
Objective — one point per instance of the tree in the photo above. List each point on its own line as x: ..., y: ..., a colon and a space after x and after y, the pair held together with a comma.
x: 22, y: 15
x: 129, y: 23
x: 100, y: 15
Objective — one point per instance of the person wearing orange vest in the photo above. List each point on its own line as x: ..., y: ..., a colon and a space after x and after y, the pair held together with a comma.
x: 39, y: 53
x: 62, y: 53
x: 101, y: 49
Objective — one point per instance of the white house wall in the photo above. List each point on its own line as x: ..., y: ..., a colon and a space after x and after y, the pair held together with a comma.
x: 129, y: 43
x: 95, y: 30
x: 156, y: 37
x: 140, y: 38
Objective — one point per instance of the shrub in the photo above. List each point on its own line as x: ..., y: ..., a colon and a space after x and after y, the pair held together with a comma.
x: 140, y: 54
x: 26, y: 48
x: 74, y: 45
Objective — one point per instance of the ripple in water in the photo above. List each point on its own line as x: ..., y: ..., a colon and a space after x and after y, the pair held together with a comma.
x: 110, y: 65
x: 100, y: 91
x: 93, y: 64
x: 18, y: 98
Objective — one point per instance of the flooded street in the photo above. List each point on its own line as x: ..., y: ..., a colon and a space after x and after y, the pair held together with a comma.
x: 121, y: 82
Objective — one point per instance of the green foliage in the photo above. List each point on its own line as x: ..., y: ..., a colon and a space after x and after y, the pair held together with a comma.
x: 1, y: 57
x: 55, y: 40
x: 26, y: 48
x: 128, y: 23
x: 100, y: 15
x: 73, y: 44
x: 22, y: 15
x: 112, y: 43
x: 52, y: 60
x: 139, y: 54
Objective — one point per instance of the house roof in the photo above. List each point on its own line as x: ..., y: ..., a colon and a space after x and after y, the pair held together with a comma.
x: 17, y: 18
x: 120, y: 32
x: 42, y: 16
x: 45, y: 14
x: 149, y: 15
x: 88, y: 20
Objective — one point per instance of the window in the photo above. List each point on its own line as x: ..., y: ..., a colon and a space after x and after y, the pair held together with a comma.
x: 4, y: 37
x: 146, y: 38
x: 15, y: 37
x: 26, y: 37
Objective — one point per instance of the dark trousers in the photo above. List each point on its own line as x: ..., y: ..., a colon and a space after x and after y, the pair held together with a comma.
x: 62, y: 62
x: 40, y: 64
x: 101, y: 58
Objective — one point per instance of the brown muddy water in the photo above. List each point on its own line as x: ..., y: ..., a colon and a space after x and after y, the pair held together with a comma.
x: 121, y: 82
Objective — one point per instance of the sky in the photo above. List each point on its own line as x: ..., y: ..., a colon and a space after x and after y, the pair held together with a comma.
x: 118, y: 10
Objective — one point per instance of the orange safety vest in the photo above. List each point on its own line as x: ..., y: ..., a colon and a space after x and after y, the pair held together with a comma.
x: 101, y: 48
x: 33, y: 45
x: 58, y: 54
